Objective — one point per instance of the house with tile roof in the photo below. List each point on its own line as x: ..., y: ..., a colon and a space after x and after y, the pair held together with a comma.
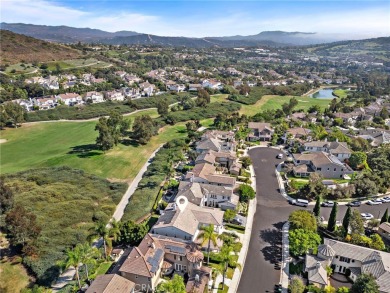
x: 208, y: 195
x: 348, y: 259
x: 111, y: 283
x: 328, y: 165
x: 338, y: 149
x: 384, y: 230
x: 206, y: 173
x: 182, y: 219
x: 157, y: 256
x: 260, y: 131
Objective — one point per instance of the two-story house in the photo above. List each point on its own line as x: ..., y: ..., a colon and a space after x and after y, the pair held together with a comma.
x: 182, y: 219
x: 70, y: 99
x: 338, y: 149
x: 94, y: 97
x: 348, y: 259
x: 328, y: 165
x: 205, y: 173
x: 157, y: 256
x: 260, y: 131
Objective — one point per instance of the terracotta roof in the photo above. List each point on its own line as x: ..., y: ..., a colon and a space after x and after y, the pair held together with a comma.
x: 110, y: 283
x: 259, y: 126
x: 385, y: 227
x: 198, y: 280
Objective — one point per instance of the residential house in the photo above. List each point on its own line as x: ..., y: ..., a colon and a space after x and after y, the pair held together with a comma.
x: 132, y: 93
x: 296, y: 133
x: 147, y: 88
x: 260, y: 131
x: 115, y: 95
x: 158, y: 256
x: 194, y: 87
x: 111, y: 283
x: 219, y: 141
x: 121, y: 74
x: 205, y: 173
x: 375, y: 136
x: 208, y: 195
x: 70, y: 99
x: 211, y: 84
x: 94, y: 97
x: 131, y: 79
x: 183, y: 220
x: 177, y: 87
x: 45, y: 103
x: 28, y: 105
x: 328, y: 165
x: 348, y: 259
x: 384, y: 230
x: 338, y: 149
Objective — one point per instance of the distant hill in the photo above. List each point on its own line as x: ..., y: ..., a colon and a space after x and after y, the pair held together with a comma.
x: 62, y: 34
x: 16, y: 48
x: 66, y: 34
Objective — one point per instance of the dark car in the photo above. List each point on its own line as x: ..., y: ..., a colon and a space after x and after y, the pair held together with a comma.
x: 354, y: 204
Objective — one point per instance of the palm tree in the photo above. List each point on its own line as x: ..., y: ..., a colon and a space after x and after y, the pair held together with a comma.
x: 73, y: 259
x: 207, y: 234
x: 101, y: 230
x: 226, y: 254
x: 115, y: 229
x: 88, y: 255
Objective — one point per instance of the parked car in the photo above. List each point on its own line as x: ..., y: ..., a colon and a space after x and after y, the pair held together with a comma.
x: 328, y: 203
x: 354, y: 204
x: 374, y: 202
x: 386, y: 199
x: 367, y: 216
x: 280, y: 156
x: 299, y: 202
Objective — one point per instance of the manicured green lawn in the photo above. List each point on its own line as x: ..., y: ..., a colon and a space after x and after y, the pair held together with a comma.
x: 74, y: 63
x: 340, y: 93
x: 72, y: 144
x: 225, y: 289
x: 13, y: 277
x: 304, y: 103
x: 102, y: 269
x: 219, y: 98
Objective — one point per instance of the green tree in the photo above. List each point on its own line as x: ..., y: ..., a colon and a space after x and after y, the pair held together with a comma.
x: 296, y: 285
x: 14, y: 112
x: 100, y: 230
x: 365, y: 187
x: 187, y: 103
x: 357, y: 160
x: 377, y: 242
x: 6, y: 198
x: 203, y: 98
x: 302, y: 219
x: 208, y: 235
x: 385, y: 217
x: 246, y: 192
x: 356, y: 223
x: 22, y: 227
x: 162, y: 107
x: 346, y: 220
x: 332, y: 218
x: 132, y: 233
x: 73, y: 259
x: 175, y: 285
x: 229, y: 215
x: 227, y: 256
x: 88, y: 255
x: 246, y: 161
x: 317, y: 207
x: 365, y: 284
x: 301, y: 241
x: 144, y: 128
x: 105, y: 140
x: 343, y: 290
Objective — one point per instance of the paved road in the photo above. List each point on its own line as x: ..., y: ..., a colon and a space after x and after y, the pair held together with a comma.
x: 261, y: 272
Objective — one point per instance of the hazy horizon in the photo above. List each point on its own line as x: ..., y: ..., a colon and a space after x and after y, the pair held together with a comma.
x: 328, y: 19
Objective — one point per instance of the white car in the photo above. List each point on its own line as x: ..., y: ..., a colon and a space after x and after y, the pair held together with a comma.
x: 374, y: 202
x: 386, y: 199
x: 367, y: 216
x: 280, y: 156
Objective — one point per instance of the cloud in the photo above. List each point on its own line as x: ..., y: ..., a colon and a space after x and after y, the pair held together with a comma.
x: 225, y: 21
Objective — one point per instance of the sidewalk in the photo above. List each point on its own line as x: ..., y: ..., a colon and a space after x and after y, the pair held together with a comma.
x: 247, y: 236
x: 285, y: 271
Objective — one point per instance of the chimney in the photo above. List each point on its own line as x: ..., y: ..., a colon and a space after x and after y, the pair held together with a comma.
x: 153, y: 246
x: 318, y: 265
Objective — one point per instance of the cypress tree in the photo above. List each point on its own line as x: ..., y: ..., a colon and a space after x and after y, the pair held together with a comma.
x: 317, y: 207
x: 385, y: 217
x: 346, y: 219
x: 332, y: 218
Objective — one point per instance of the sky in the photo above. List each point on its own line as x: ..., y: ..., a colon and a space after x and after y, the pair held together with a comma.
x: 344, y: 18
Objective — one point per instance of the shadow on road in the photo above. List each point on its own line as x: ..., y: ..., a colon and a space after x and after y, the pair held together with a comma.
x: 273, y: 251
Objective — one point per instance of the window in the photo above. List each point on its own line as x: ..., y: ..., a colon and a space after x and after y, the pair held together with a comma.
x: 174, y: 257
x: 223, y: 197
x: 318, y: 169
x: 334, y: 170
x: 345, y: 259
x: 181, y: 258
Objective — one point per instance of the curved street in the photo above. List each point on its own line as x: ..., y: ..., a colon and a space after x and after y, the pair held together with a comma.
x: 261, y: 271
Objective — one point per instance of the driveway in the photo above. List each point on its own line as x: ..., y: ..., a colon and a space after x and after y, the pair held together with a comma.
x: 261, y: 271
